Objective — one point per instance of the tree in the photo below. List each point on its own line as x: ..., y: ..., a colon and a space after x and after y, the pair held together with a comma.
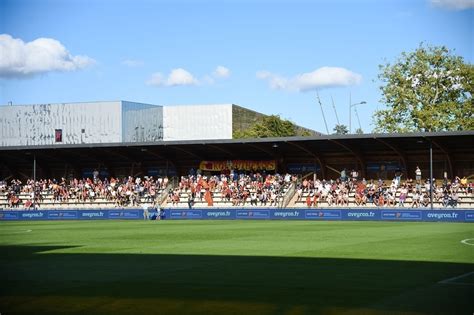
x: 341, y: 130
x: 269, y: 126
x: 429, y: 89
x: 359, y: 131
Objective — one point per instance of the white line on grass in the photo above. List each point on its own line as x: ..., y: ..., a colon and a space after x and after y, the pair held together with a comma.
x: 466, y: 241
x: 16, y: 232
x: 450, y: 280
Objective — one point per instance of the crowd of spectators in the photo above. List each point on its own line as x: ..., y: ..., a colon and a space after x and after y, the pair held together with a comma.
x: 410, y: 193
x: 122, y: 192
x: 239, y: 189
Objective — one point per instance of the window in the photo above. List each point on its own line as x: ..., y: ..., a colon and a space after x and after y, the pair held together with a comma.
x: 58, y: 135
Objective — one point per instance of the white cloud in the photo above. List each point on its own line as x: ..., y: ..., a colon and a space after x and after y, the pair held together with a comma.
x: 453, y: 4
x: 22, y: 60
x: 221, y: 72
x: 132, y: 63
x: 181, y: 76
x: 156, y: 79
x: 324, y: 77
x: 176, y: 77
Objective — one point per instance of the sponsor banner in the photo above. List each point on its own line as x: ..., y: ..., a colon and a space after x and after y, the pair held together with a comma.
x: 244, y: 165
x: 287, y: 214
x: 32, y: 215
x: 8, y: 215
x: 253, y: 214
x: 384, y: 166
x: 441, y: 215
x: 92, y: 214
x: 185, y: 214
x: 125, y: 214
x: 401, y: 215
x: 62, y: 215
x: 361, y: 215
x: 323, y: 214
x: 469, y: 216
x: 219, y: 214
x: 302, y: 168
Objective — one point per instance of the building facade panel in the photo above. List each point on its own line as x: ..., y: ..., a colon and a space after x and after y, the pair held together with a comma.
x: 141, y: 122
x: 68, y: 123
x: 197, y: 122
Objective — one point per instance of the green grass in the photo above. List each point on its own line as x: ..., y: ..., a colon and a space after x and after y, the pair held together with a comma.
x: 235, y: 267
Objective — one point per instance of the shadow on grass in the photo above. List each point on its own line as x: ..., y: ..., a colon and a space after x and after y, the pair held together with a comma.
x: 35, y: 279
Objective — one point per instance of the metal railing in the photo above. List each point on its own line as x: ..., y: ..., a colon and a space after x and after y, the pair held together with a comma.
x: 288, y: 196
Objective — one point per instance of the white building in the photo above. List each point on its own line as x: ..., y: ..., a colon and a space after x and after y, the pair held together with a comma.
x: 113, y: 122
x: 197, y: 122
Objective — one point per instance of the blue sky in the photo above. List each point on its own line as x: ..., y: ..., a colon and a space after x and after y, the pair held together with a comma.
x: 269, y: 56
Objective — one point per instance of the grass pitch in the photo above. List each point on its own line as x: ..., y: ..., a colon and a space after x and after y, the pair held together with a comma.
x: 235, y: 267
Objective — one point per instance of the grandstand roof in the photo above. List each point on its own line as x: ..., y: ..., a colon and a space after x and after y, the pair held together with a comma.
x: 323, y: 150
x: 323, y: 142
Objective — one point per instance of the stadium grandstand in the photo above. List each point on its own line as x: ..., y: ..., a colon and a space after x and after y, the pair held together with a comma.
x: 104, y: 212
x: 74, y: 156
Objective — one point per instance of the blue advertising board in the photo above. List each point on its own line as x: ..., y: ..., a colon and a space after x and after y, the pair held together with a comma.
x: 185, y: 214
x: 62, y: 215
x: 323, y: 214
x: 401, y: 215
x: 125, y: 214
x: 252, y: 214
x: 71, y: 214
x: 352, y: 214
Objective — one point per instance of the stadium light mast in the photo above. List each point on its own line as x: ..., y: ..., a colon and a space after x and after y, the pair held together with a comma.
x: 350, y: 111
x: 335, y: 111
x: 34, y: 181
x: 431, y: 174
x: 430, y: 141
x: 358, y: 119
x: 322, y: 111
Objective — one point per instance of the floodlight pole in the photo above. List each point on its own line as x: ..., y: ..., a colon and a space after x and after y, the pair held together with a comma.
x: 322, y: 111
x: 358, y: 119
x: 431, y: 174
x: 350, y: 111
x: 335, y: 111
x: 34, y: 181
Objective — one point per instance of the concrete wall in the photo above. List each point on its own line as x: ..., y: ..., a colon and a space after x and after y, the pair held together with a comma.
x: 197, y: 122
x: 95, y: 122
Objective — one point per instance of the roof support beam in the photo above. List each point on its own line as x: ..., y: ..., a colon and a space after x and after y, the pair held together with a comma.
x: 356, y: 154
x: 188, y: 152
x: 399, y: 152
x: 229, y: 153
x: 315, y: 156
x: 448, y: 157
x: 270, y: 153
